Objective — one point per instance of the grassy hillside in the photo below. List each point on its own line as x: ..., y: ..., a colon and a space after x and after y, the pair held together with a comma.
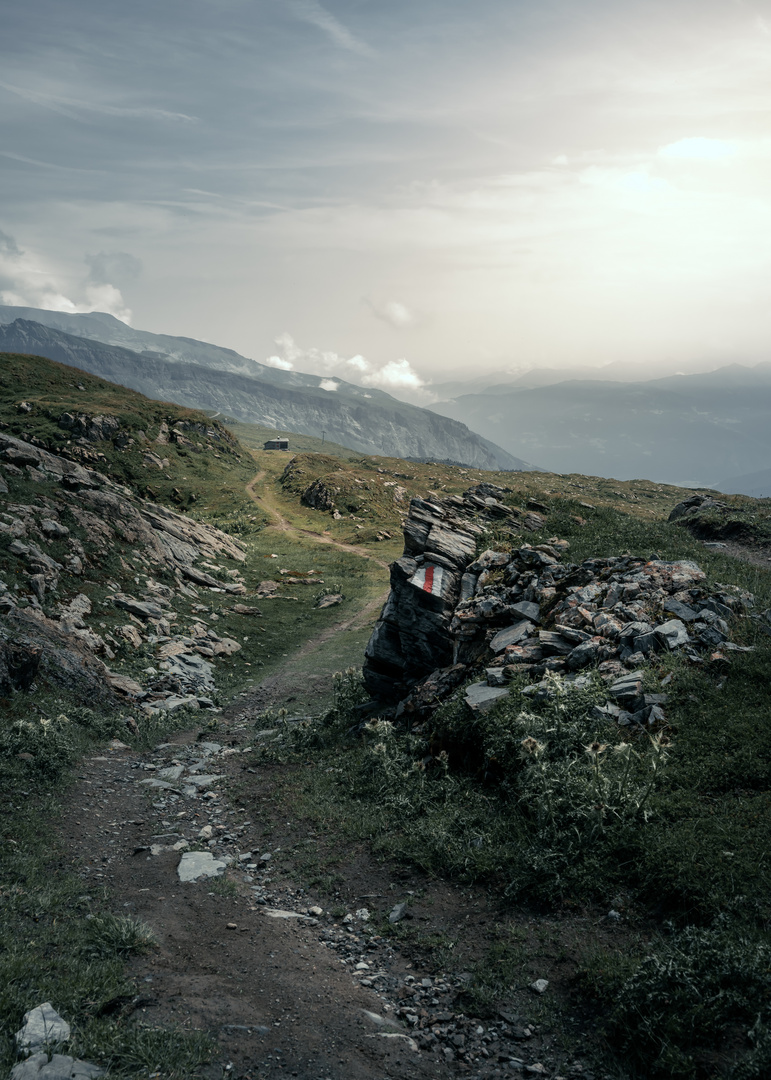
x: 191, y: 468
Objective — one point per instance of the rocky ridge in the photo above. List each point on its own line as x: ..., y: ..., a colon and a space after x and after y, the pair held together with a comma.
x: 452, y: 613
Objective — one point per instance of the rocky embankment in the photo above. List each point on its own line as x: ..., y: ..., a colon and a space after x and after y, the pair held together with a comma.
x: 526, y: 610
x: 40, y: 631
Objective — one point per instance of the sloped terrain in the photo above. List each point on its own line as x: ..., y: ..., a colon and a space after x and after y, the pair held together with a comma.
x: 583, y: 802
x: 368, y: 420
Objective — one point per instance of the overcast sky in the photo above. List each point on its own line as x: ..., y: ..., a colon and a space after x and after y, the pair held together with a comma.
x: 396, y: 192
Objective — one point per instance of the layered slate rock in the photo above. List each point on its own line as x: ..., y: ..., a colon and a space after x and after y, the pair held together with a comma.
x: 412, y: 637
x: 452, y: 613
x: 34, y: 643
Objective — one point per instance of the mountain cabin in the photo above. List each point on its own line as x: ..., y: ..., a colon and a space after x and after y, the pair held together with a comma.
x: 276, y: 444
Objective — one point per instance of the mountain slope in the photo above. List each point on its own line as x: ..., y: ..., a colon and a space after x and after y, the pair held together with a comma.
x: 374, y: 423
x: 687, y: 429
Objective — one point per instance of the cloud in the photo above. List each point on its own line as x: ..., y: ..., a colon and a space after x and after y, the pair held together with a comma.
x: 395, y: 313
x: 395, y: 375
x: 698, y: 148
x: 8, y: 245
x: 26, y: 280
x: 310, y: 11
x: 279, y: 362
x: 109, y: 266
x: 68, y: 106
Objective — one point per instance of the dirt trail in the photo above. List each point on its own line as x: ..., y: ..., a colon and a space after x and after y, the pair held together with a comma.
x: 300, y: 993
x: 276, y: 998
x: 266, y: 501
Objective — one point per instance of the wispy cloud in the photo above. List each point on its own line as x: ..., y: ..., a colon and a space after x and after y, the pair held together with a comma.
x: 395, y: 313
x: 72, y: 106
x: 44, y: 164
x: 311, y: 11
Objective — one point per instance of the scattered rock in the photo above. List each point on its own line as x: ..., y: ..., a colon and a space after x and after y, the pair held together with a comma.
x: 59, y: 1067
x: 397, y: 913
x: 330, y: 600
x: 480, y: 697
x: 43, y: 1027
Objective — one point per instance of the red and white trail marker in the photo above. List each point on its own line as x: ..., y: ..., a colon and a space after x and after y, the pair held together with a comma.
x: 428, y: 579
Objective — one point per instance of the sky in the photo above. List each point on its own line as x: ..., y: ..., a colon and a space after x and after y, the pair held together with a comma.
x: 397, y: 193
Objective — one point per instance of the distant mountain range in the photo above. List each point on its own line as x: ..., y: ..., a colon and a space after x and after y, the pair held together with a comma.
x: 697, y: 429
x: 200, y: 375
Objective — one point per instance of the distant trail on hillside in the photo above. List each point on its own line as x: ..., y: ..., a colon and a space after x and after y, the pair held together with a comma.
x: 280, y: 522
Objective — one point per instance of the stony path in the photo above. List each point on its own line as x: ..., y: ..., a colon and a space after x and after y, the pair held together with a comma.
x: 278, y: 999
x: 288, y: 988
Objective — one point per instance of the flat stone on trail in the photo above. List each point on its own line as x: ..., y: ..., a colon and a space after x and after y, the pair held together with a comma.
x: 42, y: 1027
x: 480, y: 697
x: 199, y: 864
x: 512, y: 635
x: 203, y: 781
x: 60, y: 1067
x: 171, y: 704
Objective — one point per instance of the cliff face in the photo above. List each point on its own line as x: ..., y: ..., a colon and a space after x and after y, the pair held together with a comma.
x: 372, y: 424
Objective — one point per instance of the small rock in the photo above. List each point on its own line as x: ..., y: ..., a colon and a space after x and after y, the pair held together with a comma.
x: 199, y: 864
x: 540, y: 986
x: 480, y: 697
x: 397, y: 913
x: 672, y: 633
x: 60, y: 1067
x: 42, y: 1027
x: 330, y: 600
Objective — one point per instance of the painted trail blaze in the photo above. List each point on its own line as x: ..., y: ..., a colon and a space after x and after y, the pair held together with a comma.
x: 428, y: 579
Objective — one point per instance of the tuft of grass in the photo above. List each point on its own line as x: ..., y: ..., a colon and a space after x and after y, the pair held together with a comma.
x: 120, y: 935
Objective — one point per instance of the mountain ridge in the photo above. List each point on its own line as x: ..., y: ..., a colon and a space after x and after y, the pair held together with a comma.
x: 374, y: 423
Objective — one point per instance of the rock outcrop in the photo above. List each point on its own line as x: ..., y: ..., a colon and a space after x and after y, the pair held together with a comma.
x: 66, y: 650
x: 451, y: 612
